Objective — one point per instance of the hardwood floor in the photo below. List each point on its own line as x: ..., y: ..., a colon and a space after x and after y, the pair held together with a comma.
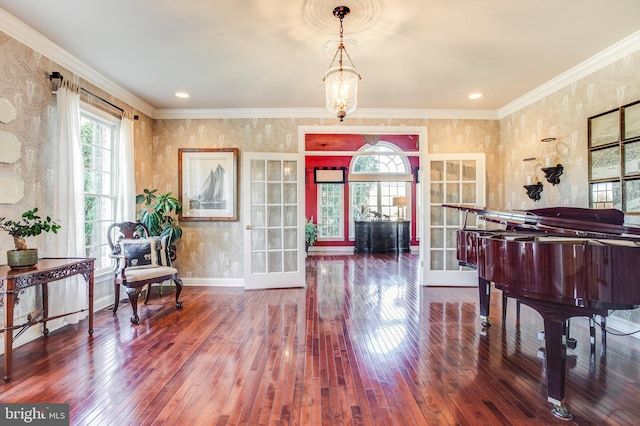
x: 362, y: 344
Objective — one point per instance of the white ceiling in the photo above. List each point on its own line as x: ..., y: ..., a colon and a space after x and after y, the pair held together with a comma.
x: 413, y: 54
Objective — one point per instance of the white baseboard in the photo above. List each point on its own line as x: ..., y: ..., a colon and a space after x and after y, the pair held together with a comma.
x: 331, y: 249
x: 213, y: 282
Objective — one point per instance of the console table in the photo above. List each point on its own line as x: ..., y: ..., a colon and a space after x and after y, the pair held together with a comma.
x: 14, y: 281
x: 382, y: 236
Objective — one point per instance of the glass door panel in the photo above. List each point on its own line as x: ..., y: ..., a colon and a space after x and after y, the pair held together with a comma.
x: 274, y: 231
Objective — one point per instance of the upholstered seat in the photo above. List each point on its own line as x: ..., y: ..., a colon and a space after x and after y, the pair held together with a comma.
x: 140, y: 261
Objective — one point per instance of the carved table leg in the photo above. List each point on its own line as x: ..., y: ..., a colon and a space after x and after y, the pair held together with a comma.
x: 8, y: 300
x: 45, y: 309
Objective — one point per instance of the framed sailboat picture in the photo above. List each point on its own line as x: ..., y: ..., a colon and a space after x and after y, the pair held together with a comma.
x: 208, y: 184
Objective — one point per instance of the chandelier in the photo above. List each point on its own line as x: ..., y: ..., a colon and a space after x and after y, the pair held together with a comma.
x: 341, y: 82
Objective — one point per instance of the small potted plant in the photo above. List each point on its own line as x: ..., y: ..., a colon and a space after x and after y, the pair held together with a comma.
x: 30, y: 225
x: 310, y: 233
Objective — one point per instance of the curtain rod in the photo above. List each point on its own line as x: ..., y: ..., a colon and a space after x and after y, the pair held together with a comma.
x: 57, y: 76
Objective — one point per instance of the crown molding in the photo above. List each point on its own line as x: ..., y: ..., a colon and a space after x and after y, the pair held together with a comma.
x: 613, y: 53
x: 26, y: 35
x: 323, y: 113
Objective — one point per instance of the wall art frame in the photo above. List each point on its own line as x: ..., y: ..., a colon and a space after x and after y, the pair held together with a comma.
x: 208, y: 184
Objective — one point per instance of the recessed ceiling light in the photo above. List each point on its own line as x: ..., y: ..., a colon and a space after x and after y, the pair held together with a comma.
x: 475, y: 96
x: 183, y: 95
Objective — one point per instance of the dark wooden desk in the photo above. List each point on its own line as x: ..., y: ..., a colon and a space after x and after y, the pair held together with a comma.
x: 382, y: 236
x: 15, y: 281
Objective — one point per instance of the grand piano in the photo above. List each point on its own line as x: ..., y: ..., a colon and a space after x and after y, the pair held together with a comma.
x: 563, y: 262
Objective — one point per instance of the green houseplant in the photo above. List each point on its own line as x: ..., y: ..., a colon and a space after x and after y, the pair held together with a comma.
x: 29, y: 225
x: 158, y: 213
x: 310, y: 233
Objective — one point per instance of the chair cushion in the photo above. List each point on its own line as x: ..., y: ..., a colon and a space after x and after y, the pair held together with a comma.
x: 140, y: 252
x: 139, y: 274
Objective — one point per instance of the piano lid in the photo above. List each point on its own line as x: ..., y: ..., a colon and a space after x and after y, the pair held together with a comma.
x: 593, y: 223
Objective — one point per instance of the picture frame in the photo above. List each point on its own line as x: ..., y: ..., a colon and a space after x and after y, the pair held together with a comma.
x: 604, y: 128
x: 632, y: 196
x: 631, y: 156
x: 208, y: 184
x: 632, y: 121
x: 604, y: 163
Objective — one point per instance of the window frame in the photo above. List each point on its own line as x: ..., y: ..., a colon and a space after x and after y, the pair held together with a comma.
x: 101, y: 246
x: 340, y: 209
x: 381, y: 178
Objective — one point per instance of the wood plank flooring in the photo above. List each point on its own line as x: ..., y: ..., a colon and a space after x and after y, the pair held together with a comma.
x: 363, y: 344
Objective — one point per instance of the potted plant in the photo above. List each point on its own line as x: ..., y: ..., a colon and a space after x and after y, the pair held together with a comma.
x: 29, y: 225
x: 310, y: 233
x: 158, y: 213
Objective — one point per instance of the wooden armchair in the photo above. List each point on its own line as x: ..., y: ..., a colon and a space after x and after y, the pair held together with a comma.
x: 140, y: 261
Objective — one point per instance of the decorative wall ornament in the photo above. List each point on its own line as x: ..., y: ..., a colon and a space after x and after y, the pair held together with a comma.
x: 552, y: 174
x: 8, y: 112
x: 533, y: 191
x: 10, y: 147
x: 533, y: 188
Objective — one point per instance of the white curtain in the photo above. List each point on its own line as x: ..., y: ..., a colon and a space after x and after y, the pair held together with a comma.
x: 68, y: 204
x: 125, y: 194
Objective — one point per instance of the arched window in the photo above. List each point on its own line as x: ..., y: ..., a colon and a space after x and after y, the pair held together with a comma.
x: 379, y: 159
x: 377, y: 176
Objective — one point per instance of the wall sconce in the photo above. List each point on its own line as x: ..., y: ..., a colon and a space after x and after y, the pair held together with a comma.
x: 533, y: 188
x: 551, y: 173
x: 401, y: 203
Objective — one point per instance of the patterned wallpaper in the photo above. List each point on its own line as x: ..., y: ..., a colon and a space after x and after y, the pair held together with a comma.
x: 214, y: 250
x: 562, y: 115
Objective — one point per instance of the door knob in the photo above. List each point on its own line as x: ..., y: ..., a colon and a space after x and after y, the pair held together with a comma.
x: 248, y: 227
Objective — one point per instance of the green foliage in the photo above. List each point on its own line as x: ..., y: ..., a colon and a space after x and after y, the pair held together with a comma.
x: 159, y: 212
x: 310, y: 231
x: 30, y: 225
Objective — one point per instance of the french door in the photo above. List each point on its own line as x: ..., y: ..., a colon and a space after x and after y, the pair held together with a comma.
x: 273, y: 212
x: 452, y: 179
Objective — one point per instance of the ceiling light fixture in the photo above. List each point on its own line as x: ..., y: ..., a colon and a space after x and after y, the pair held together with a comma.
x: 341, y: 82
x: 183, y: 95
x: 475, y: 96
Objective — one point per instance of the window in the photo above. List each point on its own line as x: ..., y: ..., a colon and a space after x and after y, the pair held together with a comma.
x: 377, y: 176
x: 98, y: 133
x: 370, y: 198
x: 330, y: 207
x: 614, y: 159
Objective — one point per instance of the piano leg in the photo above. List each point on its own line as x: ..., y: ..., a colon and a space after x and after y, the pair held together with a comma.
x: 556, y: 364
x: 603, y: 328
x: 484, y: 291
